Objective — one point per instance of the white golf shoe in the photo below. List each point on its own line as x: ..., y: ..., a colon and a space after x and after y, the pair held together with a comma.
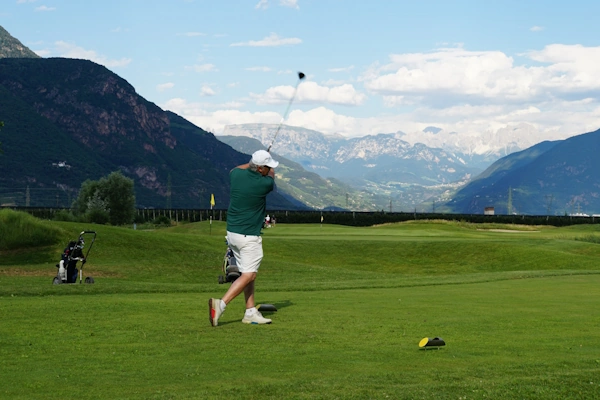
x: 214, y: 311
x: 256, y: 319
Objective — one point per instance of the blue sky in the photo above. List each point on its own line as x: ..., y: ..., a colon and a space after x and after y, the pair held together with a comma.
x: 467, y: 67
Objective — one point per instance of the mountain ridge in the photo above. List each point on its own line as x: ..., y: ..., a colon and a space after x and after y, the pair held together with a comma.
x: 550, y: 178
x: 11, y: 47
x: 79, y: 111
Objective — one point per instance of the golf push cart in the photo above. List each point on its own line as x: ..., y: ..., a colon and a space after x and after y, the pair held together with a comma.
x: 73, y: 253
x: 231, y: 272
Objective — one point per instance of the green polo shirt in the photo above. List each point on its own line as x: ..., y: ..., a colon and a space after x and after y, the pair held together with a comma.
x: 248, y: 200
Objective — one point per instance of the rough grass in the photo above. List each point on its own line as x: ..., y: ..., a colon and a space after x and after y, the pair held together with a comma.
x: 19, y: 230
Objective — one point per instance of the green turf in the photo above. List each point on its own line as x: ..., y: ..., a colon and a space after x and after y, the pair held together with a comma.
x: 517, y: 307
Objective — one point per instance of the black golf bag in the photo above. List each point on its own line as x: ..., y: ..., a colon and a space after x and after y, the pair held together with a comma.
x: 72, y: 253
x: 230, y: 268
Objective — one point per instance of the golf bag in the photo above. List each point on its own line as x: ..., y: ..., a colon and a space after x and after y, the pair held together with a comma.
x: 72, y: 254
x: 68, y: 262
x: 230, y: 270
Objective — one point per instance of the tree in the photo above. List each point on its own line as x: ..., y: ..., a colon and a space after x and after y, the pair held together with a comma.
x: 111, y: 198
x: 117, y: 190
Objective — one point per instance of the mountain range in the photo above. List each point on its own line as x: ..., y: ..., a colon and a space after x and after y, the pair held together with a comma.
x: 391, y: 169
x: 310, y: 188
x: 70, y: 120
x: 63, y: 112
x: 551, y: 178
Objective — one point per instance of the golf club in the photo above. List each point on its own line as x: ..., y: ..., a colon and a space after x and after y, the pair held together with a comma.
x: 300, y: 77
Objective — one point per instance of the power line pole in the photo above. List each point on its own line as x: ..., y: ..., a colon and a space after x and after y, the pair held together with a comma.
x: 549, y: 198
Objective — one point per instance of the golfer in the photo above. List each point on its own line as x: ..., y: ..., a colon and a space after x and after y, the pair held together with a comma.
x: 250, y: 183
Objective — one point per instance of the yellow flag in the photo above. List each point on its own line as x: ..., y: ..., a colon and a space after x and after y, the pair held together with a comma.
x: 212, y: 200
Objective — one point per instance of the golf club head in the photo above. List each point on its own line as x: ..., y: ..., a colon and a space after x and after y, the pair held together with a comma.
x: 266, y: 307
x: 432, y: 342
x: 301, y: 75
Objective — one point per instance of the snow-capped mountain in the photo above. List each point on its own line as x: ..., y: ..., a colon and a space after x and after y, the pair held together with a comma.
x: 384, y: 163
x: 497, y: 143
x: 380, y: 155
x: 486, y: 145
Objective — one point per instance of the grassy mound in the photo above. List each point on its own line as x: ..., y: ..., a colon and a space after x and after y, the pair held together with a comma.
x: 19, y: 230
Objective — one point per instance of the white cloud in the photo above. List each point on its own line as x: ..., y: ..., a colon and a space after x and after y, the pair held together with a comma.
x: 311, y: 92
x: 289, y: 3
x: 262, y: 4
x: 44, y: 8
x: 43, y: 53
x: 273, y: 40
x: 454, y: 75
x: 549, y: 94
x: 192, y: 34
x: 69, y: 50
x: 215, y: 121
x: 536, y: 28
x: 202, y: 68
x: 460, y: 124
x: 571, y: 68
x: 324, y: 120
x: 260, y: 69
x: 207, y: 90
x: 165, y: 86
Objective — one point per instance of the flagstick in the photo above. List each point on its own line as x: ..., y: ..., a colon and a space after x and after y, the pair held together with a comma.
x: 212, y: 204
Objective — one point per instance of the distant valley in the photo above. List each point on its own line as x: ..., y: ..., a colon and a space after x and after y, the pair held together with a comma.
x: 400, y: 176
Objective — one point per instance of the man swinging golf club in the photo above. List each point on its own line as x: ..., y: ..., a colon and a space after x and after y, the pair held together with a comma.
x: 250, y: 183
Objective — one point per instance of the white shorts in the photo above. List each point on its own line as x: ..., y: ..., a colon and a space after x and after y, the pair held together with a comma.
x: 247, y: 250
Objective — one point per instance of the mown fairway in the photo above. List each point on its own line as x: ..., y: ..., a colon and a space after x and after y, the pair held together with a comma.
x: 519, y: 311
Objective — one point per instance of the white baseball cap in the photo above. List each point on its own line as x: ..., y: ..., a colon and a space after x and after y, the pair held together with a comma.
x: 262, y: 157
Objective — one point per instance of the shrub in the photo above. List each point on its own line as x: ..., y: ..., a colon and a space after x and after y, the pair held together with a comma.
x: 162, y: 220
x: 64, y: 215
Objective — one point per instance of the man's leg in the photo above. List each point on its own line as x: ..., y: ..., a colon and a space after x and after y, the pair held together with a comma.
x: 249, y: 295
x: 240, y: 284
x: 215, y: 306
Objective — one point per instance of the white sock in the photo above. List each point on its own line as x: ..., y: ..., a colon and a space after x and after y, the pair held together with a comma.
x: 250, y: 311
x: 222, y: 305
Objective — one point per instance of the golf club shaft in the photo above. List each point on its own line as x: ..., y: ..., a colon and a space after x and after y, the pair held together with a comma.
x: 287, y: 110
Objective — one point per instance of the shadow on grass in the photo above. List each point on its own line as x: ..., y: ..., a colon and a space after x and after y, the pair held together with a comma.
x: 278, y: 305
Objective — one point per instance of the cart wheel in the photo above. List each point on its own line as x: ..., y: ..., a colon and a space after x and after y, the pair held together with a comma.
x: 56, y: 281
x: 221, y: 280
x: 89, y: 279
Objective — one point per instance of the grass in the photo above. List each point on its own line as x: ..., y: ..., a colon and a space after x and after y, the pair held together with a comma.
x: 518, y: 311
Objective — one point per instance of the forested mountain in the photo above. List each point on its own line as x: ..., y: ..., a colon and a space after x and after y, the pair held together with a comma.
x: 551, y: 178
x: 70, y: 120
